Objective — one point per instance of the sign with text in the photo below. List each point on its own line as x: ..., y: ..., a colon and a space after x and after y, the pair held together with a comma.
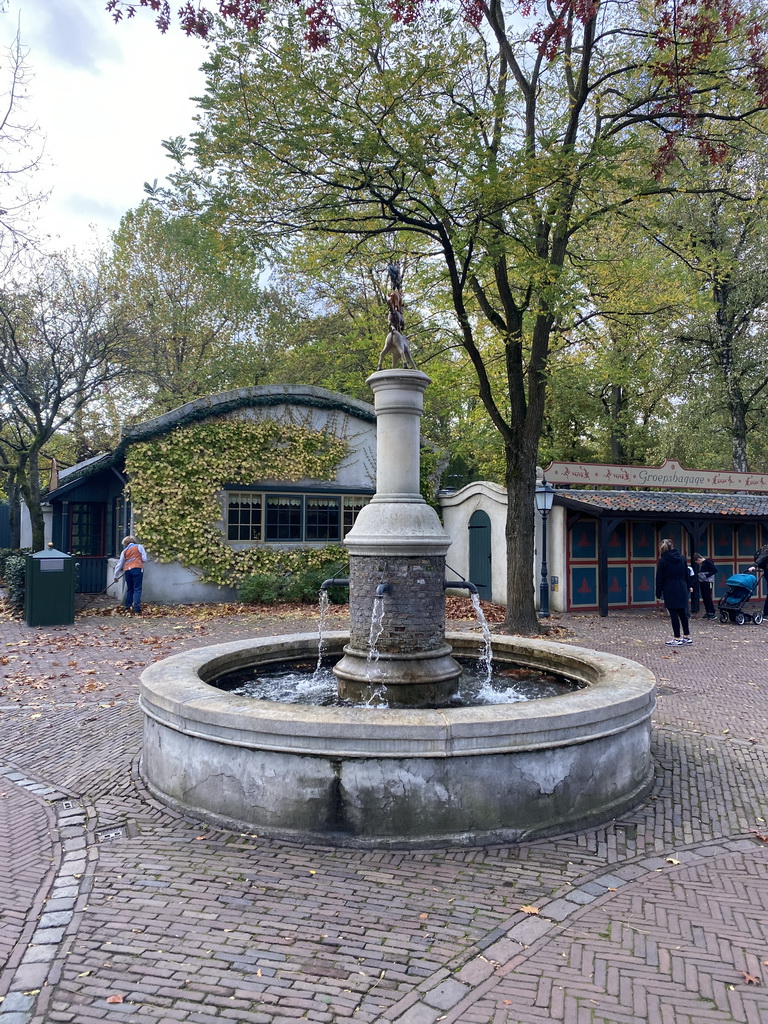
x: 670, y: 475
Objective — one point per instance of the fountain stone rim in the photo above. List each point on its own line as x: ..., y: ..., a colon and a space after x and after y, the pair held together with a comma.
x: 618, y: 695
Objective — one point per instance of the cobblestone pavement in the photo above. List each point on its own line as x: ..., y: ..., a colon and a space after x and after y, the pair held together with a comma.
x: 113, y: 908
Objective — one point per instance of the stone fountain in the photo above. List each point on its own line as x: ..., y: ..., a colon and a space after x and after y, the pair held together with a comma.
x: 410, y: 775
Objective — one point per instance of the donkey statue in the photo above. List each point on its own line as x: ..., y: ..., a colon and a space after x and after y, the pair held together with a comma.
x: 397, y: 346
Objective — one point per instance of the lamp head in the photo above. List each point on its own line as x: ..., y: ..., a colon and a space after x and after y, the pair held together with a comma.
x: 545, y: 495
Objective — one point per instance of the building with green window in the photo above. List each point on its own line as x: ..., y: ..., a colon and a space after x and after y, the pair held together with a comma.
x: 212, y: 487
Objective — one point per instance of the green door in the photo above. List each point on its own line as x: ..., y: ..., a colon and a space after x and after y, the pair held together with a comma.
x: 480, y: 553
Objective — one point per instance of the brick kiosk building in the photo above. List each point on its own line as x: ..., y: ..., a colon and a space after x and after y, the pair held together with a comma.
x: 605, y: 529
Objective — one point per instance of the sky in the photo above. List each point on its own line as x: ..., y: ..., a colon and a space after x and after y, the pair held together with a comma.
x: 104, y: 97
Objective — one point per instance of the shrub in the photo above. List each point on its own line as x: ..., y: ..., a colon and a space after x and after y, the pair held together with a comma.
x: 14, y: 574
x: 299, y: 585
x: 260, y: 588
x: 304, y: 586
x: 5, y: 554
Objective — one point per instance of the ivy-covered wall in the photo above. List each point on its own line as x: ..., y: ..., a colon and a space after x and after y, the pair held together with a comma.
x: 175, y: 481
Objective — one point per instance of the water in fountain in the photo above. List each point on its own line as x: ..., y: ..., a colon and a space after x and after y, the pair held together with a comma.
x: 377, y: 626
x: 293, y: 683
x: 325, y: 603
x: 478, y: 684
x: 378, y: 697
x: 485, y: 657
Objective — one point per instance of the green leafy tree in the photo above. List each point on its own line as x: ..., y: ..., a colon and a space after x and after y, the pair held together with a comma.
x: 486, y: 143
x: 201, y: 322
x: 613, y: 377
x: 333, y: 337
x: 61, y: 344
x: 720, y: 241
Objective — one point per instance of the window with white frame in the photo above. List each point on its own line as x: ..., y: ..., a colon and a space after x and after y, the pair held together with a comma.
x: 352, y: 505
x: 323, y: 518
x: 244, y: 516
x: 254, y: 516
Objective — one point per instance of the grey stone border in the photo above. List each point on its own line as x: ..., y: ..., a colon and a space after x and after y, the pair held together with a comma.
x: 454, y: 988
x: 35, y: 960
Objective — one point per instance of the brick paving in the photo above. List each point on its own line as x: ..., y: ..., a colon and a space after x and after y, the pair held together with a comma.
x: 114, y: 908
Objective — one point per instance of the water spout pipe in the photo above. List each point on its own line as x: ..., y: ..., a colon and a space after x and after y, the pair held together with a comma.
x: 383, y: 588
x: 460, y: 585
x: 335, y: 581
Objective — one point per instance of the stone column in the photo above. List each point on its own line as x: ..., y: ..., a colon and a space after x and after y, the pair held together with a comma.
x: 398, y: 545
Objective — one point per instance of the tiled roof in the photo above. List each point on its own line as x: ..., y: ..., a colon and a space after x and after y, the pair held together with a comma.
x: 679, y: 502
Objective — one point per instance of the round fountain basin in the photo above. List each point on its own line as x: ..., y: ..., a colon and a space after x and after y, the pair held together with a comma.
x: 368, y: 777
x: 300, y: 683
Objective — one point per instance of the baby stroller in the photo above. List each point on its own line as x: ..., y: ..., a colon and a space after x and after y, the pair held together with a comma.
x: 741, y: 587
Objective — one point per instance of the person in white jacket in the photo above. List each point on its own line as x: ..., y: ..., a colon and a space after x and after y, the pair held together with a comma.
x: 131, y: 565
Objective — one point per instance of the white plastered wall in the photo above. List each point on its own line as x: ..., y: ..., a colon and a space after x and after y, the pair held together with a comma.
x: 457, y: 509
x: 25, y: 525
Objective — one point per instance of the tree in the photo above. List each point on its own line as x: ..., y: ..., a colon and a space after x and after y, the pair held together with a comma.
x: 60, y: 345
x: 720, y: 241
x: 613, y: 377
x: 195, y: 307
x: 486, y: 145
x: 20, y: 152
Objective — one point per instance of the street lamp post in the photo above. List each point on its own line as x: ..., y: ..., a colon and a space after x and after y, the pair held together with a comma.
x: 544, y: 497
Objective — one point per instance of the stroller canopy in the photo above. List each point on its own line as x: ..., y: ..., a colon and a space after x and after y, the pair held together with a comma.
x: 742, y: 579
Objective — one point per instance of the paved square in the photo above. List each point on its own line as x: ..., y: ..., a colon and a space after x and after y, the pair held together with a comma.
x: 113, y: 908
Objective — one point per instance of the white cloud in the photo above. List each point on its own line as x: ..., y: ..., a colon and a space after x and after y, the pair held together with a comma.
x: 77, y: 36
x: 105, y: 96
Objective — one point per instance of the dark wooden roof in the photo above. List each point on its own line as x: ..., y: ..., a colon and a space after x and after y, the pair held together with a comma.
x: 664, y: 503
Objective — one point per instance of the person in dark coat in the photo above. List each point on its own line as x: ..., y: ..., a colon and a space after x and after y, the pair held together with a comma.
x: 672, y: 583
x: 761, y: 562
x: 706, y: 572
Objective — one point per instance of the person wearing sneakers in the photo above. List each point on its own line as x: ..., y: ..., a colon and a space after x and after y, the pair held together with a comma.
x: 131, y: 564
x: 706, y: 572
x: 672, y: 585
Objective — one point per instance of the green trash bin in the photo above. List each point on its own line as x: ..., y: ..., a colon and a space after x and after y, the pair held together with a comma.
x: 49, y: 598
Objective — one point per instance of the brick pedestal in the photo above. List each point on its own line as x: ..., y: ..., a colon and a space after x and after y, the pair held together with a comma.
x: 414, y: 662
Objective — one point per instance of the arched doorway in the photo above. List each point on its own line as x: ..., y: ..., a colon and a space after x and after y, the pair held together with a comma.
x: 480, y: 553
